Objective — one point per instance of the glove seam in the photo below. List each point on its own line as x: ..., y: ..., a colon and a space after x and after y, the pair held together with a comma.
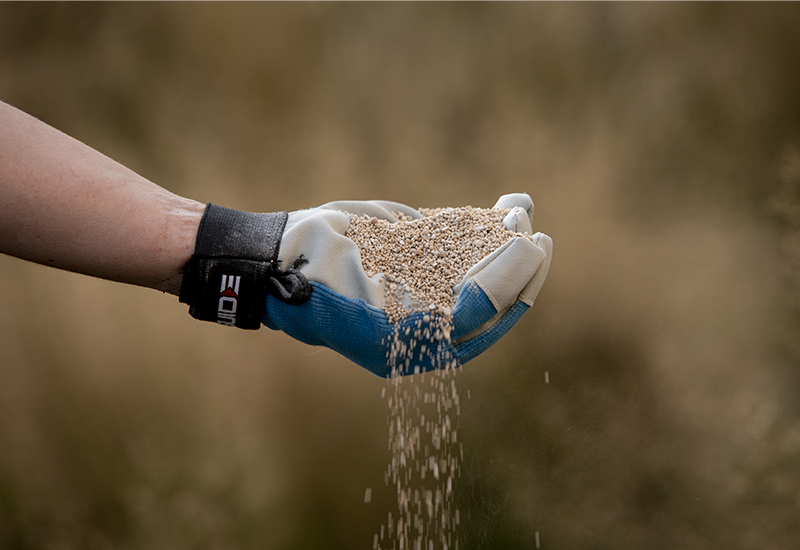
x: 485, y: 327
x: 487, y: 292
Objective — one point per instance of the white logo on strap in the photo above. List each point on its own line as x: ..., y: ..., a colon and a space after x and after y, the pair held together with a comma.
x: 228, y: 300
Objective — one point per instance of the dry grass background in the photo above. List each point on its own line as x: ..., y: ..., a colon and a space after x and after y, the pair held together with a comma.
x: 661, y: 144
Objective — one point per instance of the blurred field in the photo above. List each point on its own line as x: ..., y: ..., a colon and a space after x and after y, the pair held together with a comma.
x: 661, y: 145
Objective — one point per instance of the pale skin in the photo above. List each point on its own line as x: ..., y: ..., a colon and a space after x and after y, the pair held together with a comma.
x: 65, y: 205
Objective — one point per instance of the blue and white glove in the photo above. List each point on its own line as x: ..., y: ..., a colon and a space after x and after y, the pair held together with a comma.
x: 315, y: 288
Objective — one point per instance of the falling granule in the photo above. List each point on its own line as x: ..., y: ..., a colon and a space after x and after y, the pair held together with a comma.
x: 368, y: 495
x: 421, y: 260
x: 546, y: 377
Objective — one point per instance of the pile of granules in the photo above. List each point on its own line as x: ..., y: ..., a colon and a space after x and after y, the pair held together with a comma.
x: 422, y: 259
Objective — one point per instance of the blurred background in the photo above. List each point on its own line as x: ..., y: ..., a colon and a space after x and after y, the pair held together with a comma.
x: 661, y: 145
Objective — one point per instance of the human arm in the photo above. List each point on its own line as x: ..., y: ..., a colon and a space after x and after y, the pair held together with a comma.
x: 65, y: 205
x: 68, y: 206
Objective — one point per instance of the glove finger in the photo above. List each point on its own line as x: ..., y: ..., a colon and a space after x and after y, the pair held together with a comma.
x: 467, y: 349
x: 514, y: 200
x: 495, y: 283
x: 531, y: 290
x: 518, y: 221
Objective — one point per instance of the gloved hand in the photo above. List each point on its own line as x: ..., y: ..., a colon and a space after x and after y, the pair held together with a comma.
x: 344, y: 309
x: 316, y: 290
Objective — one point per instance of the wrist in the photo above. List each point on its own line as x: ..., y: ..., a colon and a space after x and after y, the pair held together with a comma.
x: 180, y: 235
x: 235, y: 265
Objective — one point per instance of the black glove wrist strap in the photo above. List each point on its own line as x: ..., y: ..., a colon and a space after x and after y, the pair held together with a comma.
x: 235, y: 266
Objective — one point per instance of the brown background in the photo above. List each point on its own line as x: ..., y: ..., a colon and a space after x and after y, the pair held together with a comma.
x: 661, y: 144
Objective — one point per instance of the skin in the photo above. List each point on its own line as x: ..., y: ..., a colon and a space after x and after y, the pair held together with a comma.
x: 65, y: 205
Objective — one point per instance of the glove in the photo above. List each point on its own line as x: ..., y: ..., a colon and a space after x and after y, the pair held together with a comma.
x: 324, y: 296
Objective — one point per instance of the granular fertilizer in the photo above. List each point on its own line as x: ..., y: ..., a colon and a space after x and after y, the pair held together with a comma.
x: 421, y: 260
x: 424, y: 258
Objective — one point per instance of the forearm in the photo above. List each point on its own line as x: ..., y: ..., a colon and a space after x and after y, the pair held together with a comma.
x: 66, y: 205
